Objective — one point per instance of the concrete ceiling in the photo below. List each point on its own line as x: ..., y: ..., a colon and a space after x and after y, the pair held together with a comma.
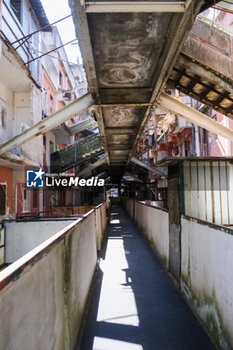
x: 128, y: 57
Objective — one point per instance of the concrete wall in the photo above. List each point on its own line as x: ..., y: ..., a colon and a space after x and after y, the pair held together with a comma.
x: 206, y: 280
x: 129, y: 206
x: 153, y: 223
x: 206, y: 266
x: 101, y: 222
x: 43, y: 294
x: 21, y: 237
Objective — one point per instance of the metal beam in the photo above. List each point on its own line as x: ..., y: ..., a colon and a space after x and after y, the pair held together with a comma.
x: 134, y: 6
x: 179, y: 27
x: 119, y: 146
x: 195, y: 68
x: 83, y: 35
x: 125, y: 95
x: 93, y: 166
x: 120, y: 131
x: 171, y: 104
x: 59, y: 117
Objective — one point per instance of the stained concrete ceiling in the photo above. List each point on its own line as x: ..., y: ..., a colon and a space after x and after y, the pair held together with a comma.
x: 128, y: 57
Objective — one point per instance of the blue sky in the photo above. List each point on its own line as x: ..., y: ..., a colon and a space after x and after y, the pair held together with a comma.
x: 57, y: 9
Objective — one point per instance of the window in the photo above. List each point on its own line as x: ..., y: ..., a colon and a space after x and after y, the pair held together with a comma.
x: 34, y: 202
x: 3, y: 117
x: 2, y: 199
x: 60, y: 80
x: 16, y: 6
x: 51, y: 104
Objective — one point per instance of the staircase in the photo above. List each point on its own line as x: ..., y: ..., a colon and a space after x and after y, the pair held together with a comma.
x: 70, y: 156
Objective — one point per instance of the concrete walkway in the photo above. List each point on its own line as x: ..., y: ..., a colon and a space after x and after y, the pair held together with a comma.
x: 135, y: 305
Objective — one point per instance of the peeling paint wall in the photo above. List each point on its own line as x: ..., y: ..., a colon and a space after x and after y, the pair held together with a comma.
x: 43, y: 295
x: 101, y: 222
x: 206, y: 277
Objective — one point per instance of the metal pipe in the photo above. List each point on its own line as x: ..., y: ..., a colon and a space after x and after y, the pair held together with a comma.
x: 74, y: 108
x: 56, y: 48
x: 40, y: 29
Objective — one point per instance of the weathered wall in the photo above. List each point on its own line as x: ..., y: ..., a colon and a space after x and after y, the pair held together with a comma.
x: 206, y: 266
x: 21, y: 237
x: 129, y: 206
x: 43, y: 294
x: 208, y: 191
x: 209, y: 44
x: 101, y: 222
x: 206, y: 280
x: 153, y: 223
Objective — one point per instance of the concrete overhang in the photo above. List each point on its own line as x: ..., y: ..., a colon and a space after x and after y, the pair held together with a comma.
x: 128, y: 57
x: 13, y: 161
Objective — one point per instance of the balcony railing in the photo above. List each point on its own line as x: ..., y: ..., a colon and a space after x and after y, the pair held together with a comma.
x: 72, y: 155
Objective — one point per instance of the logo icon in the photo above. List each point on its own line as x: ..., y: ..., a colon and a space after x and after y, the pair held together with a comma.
x: 35, y: 178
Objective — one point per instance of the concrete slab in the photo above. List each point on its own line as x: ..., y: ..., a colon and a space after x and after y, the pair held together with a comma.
x: 134, y: 303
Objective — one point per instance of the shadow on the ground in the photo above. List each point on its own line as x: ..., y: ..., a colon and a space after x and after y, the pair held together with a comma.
x: 165, y: 320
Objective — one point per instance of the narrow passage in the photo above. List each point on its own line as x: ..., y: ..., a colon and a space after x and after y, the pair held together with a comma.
x: 135, y: 305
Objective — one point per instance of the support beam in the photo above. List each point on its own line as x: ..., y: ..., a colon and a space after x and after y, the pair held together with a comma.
x: 179, y: 27
x: 171, y: 104
x: 145, y: 166
x: 125, y: 96
x: 59, y: 117
x: 119, y: 146
x: 133, y: 6
x: 120, y: 131
x: 93, y: 166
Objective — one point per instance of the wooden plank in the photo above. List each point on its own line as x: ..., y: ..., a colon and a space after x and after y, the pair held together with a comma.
x: 177, y: 107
